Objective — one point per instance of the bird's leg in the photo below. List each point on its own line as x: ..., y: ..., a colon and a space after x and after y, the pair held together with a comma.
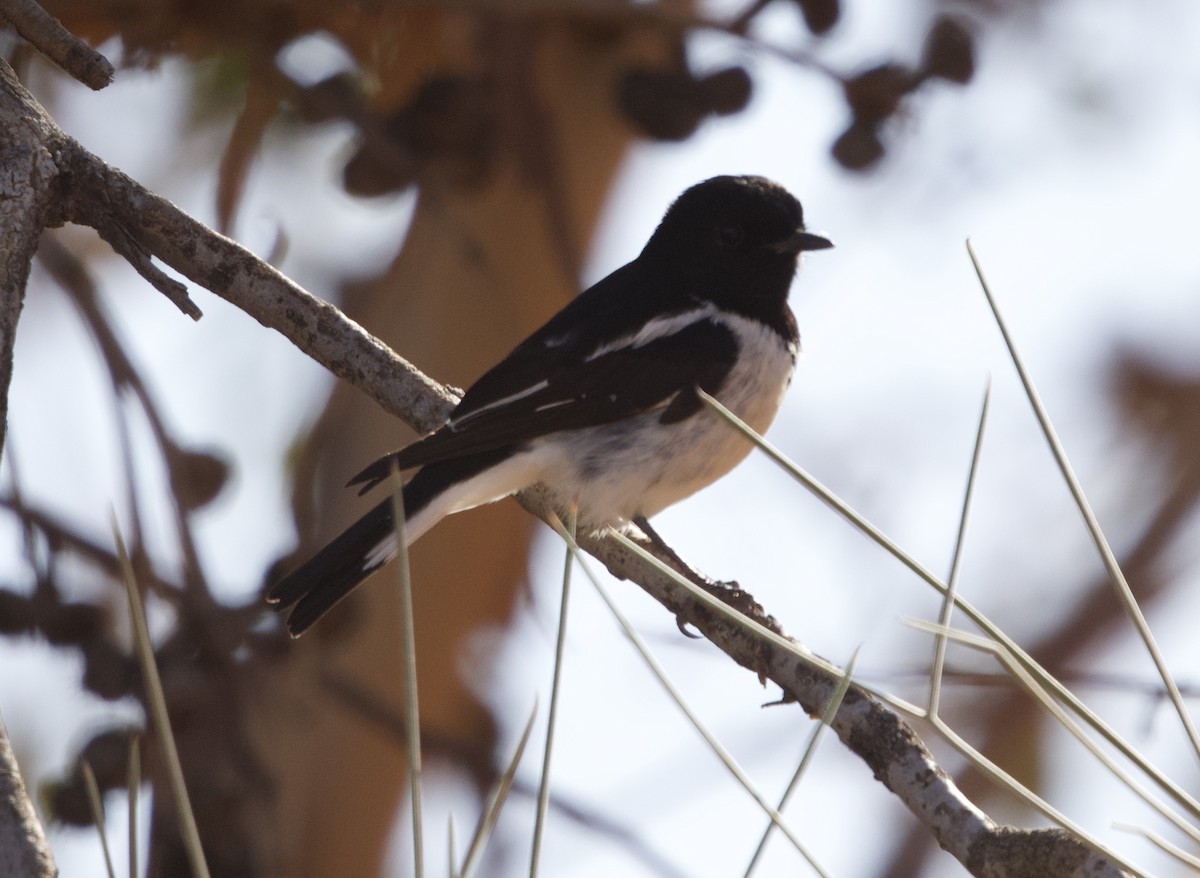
x: 684, y: 569
x: 669, y: 555
x: 729, y: 592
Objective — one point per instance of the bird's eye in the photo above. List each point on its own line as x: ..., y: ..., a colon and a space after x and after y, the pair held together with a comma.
x: 730, y: 236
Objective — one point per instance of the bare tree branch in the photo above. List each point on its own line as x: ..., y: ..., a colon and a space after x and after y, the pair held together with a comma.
x: 27, y: 174
x: 104, y: 198
x: 48, y: 36
x: 24, y: 852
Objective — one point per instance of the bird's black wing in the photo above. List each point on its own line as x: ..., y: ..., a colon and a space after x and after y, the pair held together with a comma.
x: 614, y: 307
x: 581, y: 391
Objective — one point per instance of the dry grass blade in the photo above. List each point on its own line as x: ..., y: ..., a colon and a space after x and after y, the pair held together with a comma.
x: 1189, y: 860
x: 827, y: 715
x: 999, y: 776
x: 543, y: 797
x: 1031, y: 686
x: 1124, y: 592
x: 133, y: 784
x: 751, y: 626
x: 491, y: 813
x: 97, y: 806
x: 408, y: 646
x: 725, y: 610
x: 1011, y: 647
x: 156, y: 704
x: 825, y: 495
x: 665, y: 681
x: 939, y: 642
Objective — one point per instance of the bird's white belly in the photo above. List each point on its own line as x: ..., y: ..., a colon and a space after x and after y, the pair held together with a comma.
x: 641, y: 466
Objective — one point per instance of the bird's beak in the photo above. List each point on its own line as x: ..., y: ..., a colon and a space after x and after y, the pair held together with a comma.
x: 800, y: 241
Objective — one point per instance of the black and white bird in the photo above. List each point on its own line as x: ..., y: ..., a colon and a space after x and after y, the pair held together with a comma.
x: 600, y: 404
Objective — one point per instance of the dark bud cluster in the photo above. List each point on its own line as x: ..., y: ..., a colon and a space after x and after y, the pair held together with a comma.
x: 197, y: 477
x: 671, y: 104
x: 949, y: 52
x: 450, y: 121
x: 62, y: 624
x: 108, y: 755
x: 876, y: 95
x: 450, y: 124
x: 819, y: 15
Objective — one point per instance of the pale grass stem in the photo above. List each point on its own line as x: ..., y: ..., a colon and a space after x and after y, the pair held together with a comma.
x: 939, y: 641
x: 661, y: 675
x: 156, y: 704
x: 1116, y: 575
x: 1189, y: 860
x: 1002, y: 778
x: 1044, y: 678
x: 133, y: 784
x: 491, y: 813
x: 761, y: 633
x: 986, y: 767
x: 543, y: 799
x: 1027, y: 682
x: 726, y: 611
x: 810, y: 750
x: 408, y: 646
x: 97, y: 808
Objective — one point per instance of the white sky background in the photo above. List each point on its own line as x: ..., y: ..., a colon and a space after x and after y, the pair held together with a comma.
x: 1071, y: 162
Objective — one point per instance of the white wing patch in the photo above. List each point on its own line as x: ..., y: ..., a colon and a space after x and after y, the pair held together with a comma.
x: 659, y: 327
x: 455, y: 423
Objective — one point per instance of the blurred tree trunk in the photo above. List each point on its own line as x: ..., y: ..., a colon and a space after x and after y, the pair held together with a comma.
x: 482, y: 266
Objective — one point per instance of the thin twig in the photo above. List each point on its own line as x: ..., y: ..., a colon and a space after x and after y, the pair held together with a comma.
x: 676, y: 696
x: 46, y: 34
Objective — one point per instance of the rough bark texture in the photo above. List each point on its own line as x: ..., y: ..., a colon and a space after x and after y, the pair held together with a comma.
x: 24, y: 852
x: 27, y: 175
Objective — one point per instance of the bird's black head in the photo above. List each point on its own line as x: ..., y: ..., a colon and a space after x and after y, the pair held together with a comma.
x: 736, y: 240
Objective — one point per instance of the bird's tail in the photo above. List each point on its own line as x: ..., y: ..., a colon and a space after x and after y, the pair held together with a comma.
x: 333, y: 572
x: 370, y: 542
